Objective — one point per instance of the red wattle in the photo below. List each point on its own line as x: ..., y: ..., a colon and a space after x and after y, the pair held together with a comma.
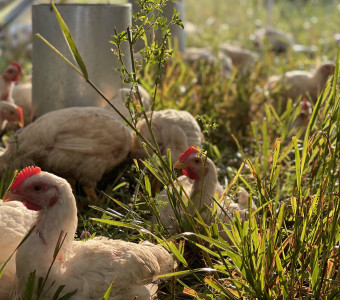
x: 189, y: 174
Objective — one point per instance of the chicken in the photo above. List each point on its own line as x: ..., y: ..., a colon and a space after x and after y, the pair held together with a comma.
x: 196, y: 169
x: 10, y: 75
x: 15, y: 221
x: 9, y: 112
x: 22, y: 95
x: 126, y: 94
x: 299, y: 125
x: 277, y: 40
x: 86, y: 266
x: 191, y: 29
x: 197, y: 56
x: 294, y: 84
x: 241, y: 58
x: 79, y: 143
x: 173, y: 129
x: 304, y: 114
x: 308, y: 50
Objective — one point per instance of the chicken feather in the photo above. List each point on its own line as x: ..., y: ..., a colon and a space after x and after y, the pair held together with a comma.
x: 15, y: 221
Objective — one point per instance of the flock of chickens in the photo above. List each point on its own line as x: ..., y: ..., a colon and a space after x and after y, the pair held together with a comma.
x: 67, y: 143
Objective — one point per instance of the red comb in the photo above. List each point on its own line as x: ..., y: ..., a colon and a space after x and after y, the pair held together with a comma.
x: 16, y: 64
x: 20, y: 113
x: 189, y: 151
x: 23, y: 174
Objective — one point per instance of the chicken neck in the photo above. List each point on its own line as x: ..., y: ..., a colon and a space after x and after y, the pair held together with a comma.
x: 202, y: 193
x: 36, y: 253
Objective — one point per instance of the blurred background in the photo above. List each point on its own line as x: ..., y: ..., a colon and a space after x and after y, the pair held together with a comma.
x: 312, y: 23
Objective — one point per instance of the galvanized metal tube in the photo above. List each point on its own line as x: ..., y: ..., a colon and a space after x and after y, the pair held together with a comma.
x: 55, y: 84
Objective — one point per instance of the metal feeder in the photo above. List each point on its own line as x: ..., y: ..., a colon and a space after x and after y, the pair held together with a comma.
x: 55, y: 84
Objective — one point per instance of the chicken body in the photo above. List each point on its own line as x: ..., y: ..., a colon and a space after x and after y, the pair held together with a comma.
x: 196, y: 56
x: 10, y: 75
x: 294, y: 84
x: 15, y: 221
x: 173, y: 129
x: 241, y: 58
x: 125, y: 94
x: 277, y: 40
x: 200, y: 183
x: 78, y: 142
x: 86, y: 266
x: 22, y: 95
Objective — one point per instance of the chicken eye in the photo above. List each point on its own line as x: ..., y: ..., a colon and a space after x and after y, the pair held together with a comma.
x: 197, y: 160
x: 37, y: 188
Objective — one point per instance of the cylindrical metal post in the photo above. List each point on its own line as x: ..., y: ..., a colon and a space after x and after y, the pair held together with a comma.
x: 55, y: 84
x: 177, y: 33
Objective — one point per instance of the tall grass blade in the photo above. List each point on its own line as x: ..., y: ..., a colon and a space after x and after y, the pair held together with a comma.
x: 58, y: 53
x: 108, y: 292
x: 30, y: 286
x: 297, y: 164
x: 70, y: 42
x: 23, y: 240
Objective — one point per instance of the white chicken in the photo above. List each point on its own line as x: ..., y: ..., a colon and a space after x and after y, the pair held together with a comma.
x: 304, y: 114
x: 197, y: 56
x: 196, y: 169
x: 9, y: 112
x: 22, y: 95
x: 79, y: 143
x: 294, y: 84
x: 125, y: 94
x: 277, y: 40
x: 173, y: 129
x: 86, y: 266
x: 299, y: 125
x: 9, y: 76
x: 241, y: 58
x: 15, y: 221
x: 191, y: 29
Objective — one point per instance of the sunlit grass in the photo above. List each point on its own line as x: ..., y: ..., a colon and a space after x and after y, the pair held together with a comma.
x: 289, y: 246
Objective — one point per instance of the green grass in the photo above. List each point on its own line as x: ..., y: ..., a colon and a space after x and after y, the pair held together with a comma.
x: 289, y: 247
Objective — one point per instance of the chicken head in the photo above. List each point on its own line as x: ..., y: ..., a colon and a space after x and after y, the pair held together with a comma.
x: 12, y: 72
x: 35, y: 192
x: 192, y: 163
x: 11, y: 113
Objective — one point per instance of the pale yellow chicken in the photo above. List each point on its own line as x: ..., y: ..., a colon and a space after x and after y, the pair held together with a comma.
x: 200, y: 184
x: 173, y: 129
x: 298, y: 83
x: 80, y: 143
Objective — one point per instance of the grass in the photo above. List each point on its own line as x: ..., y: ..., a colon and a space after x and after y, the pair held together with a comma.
x: 289, y: 247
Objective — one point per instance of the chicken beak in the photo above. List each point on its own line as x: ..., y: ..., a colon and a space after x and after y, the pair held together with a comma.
x: 180, y: 165
x: 21, y: 123
x: 10, y: 196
